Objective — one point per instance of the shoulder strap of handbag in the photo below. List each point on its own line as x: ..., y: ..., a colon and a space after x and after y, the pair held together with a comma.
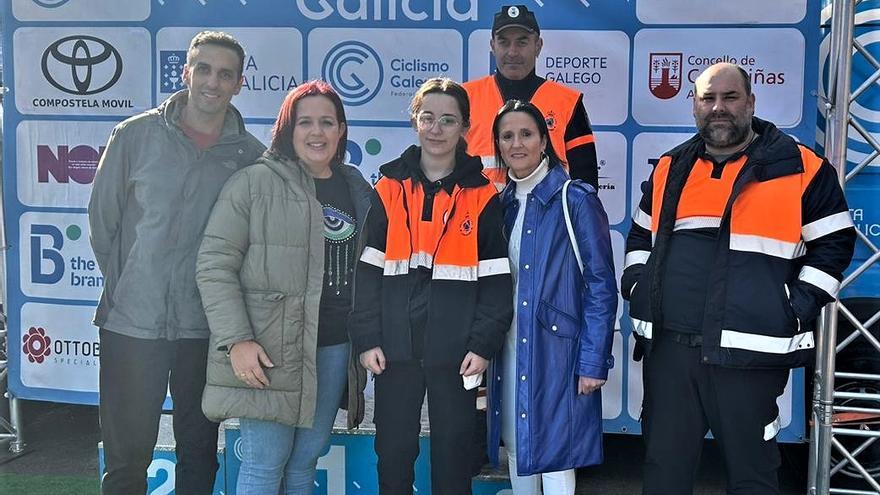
x: 568, y: 225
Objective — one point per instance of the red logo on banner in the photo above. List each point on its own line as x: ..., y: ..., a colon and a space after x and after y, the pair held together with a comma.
x: 36, y: 344
x: 664, y: 75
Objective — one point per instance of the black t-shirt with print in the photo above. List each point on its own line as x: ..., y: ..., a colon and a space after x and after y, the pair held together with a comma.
x: 340, y: 228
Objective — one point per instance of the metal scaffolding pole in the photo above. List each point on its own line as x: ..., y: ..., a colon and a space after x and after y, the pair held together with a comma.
x: 826, y: 433
x: 9, y: 430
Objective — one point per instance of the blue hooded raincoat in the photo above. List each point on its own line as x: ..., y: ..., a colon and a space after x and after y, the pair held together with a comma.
x: 565, y: 324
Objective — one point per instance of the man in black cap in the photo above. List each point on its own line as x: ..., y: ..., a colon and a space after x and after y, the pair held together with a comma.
x: 516, y: 43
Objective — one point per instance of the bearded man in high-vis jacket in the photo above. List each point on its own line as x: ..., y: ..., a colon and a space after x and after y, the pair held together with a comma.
x: 741, y: 236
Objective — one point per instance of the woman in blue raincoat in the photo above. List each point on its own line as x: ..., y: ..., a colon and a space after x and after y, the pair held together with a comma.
x: 544, y: 387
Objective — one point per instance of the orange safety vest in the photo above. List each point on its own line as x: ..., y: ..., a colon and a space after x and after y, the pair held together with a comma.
x: 556, y: 102
x: 766, y: 216
x: 447, y: 244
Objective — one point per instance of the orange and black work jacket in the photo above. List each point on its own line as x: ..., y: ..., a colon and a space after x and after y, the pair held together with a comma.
x: 563, y: 110
x: 780, y: 236
x: 433, y: 281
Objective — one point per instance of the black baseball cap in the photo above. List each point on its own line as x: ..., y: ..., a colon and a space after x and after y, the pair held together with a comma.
x: 515, y: 16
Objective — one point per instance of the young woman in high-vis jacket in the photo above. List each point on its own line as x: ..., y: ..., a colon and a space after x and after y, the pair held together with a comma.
x: 432, y: 298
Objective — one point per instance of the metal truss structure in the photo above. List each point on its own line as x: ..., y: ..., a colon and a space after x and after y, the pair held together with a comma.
x: 844, y: 419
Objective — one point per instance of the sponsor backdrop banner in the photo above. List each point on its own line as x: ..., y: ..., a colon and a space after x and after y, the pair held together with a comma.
x: 76, y: 67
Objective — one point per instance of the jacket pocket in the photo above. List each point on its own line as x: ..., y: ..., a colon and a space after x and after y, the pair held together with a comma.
x: 639, y: 296
x: 266, y: 313
x: 558, y: 322
x: 789, y: 309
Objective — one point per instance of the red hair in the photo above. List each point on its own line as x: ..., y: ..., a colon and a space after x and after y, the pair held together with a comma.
x: 282, y: 132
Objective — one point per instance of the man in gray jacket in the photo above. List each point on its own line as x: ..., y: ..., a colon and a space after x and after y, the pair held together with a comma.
x: 154, y: 189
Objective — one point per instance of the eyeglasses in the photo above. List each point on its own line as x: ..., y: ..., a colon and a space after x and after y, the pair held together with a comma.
x: 426, y: 121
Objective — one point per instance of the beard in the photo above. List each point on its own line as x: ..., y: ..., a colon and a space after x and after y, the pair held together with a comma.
x: 724, y: 131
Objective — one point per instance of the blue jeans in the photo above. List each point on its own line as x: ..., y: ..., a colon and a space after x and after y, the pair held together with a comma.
x: 272, y: 451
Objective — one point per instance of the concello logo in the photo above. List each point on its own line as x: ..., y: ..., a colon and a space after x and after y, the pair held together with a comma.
x: 81, y: 65
x: 37, y: 345
x: 664, y: 75
x: 354, y: 70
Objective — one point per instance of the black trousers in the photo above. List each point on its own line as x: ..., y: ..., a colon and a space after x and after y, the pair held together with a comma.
x: 400, y: 390
x: 684, y: 399
x: 134, y: 378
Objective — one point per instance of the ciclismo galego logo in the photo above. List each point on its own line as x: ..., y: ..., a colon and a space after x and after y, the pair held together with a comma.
x: 355, y: 71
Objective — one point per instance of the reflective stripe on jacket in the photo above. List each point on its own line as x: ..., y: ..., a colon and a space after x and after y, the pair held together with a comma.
x: 448, y: 247
x: 462, y: 245
x: 785, y: 237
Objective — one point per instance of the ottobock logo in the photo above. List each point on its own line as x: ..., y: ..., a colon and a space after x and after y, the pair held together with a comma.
x: 65, y: 163
x: 50, y: 4
x: 171, y: 64
x: 354, y: 70
x: 664, y: 75
x: 37, y: 345
x: 81, y: 65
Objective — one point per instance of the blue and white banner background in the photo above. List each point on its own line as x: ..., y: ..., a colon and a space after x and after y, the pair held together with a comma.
x: 76, y: 67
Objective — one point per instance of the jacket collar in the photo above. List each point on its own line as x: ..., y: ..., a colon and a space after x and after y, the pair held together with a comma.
x: 773, y: 153
x: 171, y: 111
x: 544, y: 191
x: 467, y: 172
x: 286, y: 168
x: 523, y: 89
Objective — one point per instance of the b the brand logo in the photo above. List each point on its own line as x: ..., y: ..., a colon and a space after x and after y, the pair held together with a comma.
x: 51, y: 255
x: 37, y: 345
x: 78, y: 163
x: 354, y: 70
x: 81, y: 65
x: 664, y: 75
x: 355, y: 153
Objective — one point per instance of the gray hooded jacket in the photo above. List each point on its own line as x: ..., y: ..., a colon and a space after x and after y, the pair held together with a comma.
x: 151, y: 198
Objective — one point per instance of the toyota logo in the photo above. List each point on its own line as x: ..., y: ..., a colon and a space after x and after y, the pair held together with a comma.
x: 81, y: 65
